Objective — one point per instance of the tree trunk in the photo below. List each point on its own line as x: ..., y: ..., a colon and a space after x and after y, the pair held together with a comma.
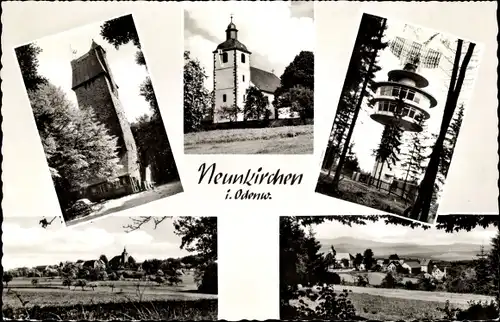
x: 345, y: 148
x: 421, y: 207
x: 380, y: 174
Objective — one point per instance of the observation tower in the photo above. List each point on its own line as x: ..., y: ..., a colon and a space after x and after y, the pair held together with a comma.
x: 402, y: 100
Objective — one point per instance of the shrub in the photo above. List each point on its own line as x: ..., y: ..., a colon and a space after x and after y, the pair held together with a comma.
x: 67, y: 282
x: 34, y: 282
x: 479, y: 311
x: 409, y: 285
x: 81, y: 283
x: 362, y: 280
x: 331, y: 306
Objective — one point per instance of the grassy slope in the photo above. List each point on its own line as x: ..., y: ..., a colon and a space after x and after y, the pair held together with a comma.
x: 277, y: 140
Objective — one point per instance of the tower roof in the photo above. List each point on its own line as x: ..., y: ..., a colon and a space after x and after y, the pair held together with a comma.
x: 232, y: 42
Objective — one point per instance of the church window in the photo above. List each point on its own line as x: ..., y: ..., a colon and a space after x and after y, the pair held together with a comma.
x: 243, y: 77
x: 224, y: 97
x: 243, y: 58
x: 224, y: 57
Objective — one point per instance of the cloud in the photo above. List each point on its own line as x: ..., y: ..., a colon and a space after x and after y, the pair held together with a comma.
x: 31, y: 246
x: 275, y: 32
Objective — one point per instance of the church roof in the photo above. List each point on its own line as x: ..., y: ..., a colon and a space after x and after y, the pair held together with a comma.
x: 265, y: 81
x: 231, y: 44
x: 87, y: 67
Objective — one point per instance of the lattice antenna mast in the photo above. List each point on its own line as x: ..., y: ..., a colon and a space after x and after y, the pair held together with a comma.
x: 415, y: 53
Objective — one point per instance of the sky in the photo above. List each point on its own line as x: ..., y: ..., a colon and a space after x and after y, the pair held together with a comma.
x: 380, y: 232
x: 58, y: 52
x: 275, y: 32
x: 26, y: 243
x: 367, y: 133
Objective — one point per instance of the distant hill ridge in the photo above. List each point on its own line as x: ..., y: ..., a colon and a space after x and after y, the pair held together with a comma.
x: 450, y: 252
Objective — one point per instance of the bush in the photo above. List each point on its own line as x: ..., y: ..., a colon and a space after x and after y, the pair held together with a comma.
x: 410, y: 286
x: 362, y: 280
x: 331, y: 278
x: 479, y: 311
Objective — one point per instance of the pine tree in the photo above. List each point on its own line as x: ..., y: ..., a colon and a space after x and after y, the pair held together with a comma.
x: 389, y: 148
x: 494, y: 267
x: 482, y: 271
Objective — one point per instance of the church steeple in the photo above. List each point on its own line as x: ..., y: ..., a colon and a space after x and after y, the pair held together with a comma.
x: 231, y: 31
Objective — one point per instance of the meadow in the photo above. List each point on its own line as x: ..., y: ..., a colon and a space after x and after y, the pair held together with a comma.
x: 137, y: 299
x: 397, y: 304
x: 273, y: 140
x: 374, y: 278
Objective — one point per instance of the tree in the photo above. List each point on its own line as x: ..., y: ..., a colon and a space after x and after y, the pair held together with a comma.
x: 300, y: 99
x: 230, y: 112
x: 420, y: 209
x: 413, y: 161
x: 67, y: 282
x: 368, y: 259
x: 370, y: 37
x: 81, y: 283
x: 7, y: 278
x: 358, y: 260
x: 27, y: 57
x: 77, y: 147
x: 256, y: 105
x: 493, y: 263
x: 389, y: 148
x: 300, y: 72
x: 150, y: 135
x: 351, y: 163
x: 197, y: 99
x: 483, y: 274
x: 330, y: 260
x: 389, y: 281
x: 34, y: 282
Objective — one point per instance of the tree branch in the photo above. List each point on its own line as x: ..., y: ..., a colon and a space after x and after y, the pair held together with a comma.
x: 138, y: 222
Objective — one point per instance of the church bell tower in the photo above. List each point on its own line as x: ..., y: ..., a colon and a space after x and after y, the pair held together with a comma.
x: 231, y: 75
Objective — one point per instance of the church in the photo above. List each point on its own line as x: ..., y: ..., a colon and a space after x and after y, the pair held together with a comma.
x: 233, y: 75
x: 95, y: 88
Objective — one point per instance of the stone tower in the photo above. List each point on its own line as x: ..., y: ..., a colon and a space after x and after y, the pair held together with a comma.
x: 231, y: 73
x: 95, y: 88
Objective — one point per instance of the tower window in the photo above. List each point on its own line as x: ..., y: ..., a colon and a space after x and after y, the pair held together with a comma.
x: 224, y: 97
x: 224, y: 57
x: 243, y: 76
x: 243, y: 58
x: 412, y: 113
x: 243, y: 97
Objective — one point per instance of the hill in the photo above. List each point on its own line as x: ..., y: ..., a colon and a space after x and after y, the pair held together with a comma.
x: 448, y: 252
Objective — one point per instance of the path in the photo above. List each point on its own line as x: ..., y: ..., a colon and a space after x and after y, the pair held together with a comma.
x: 133, y: 200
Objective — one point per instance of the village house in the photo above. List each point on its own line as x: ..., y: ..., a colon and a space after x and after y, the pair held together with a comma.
x: 94, y: 264
x: 426, y: 265
x: 393, y: 266
x: 344, y: 260
x: 413, y: 267
x: 437, y: 273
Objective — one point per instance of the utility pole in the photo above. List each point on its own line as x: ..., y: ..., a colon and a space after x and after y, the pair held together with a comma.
x: 345, y: 148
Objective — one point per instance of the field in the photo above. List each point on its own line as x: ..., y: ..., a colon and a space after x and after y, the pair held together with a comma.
x: 398, y: 304
x: 374, y: 278
x: 362, y: 194
x: 276, y: 140
x: 51, y: 296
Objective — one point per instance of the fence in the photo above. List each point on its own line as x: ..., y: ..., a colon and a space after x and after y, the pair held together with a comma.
x: 405, y: 190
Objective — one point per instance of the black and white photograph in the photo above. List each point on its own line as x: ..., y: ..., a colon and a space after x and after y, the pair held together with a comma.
x: 386, y: 268
x: 114, y: 268
x: 98, y: 119
x: 398, y: 119
x: 249, y: 85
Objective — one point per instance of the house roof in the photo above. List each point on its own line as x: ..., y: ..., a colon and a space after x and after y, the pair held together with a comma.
x: 265, y: 81
x: 396, y: 263
x: 425, y: 262
x: 435, y: 268
x: 413, y: 264
x: 340, y: 256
